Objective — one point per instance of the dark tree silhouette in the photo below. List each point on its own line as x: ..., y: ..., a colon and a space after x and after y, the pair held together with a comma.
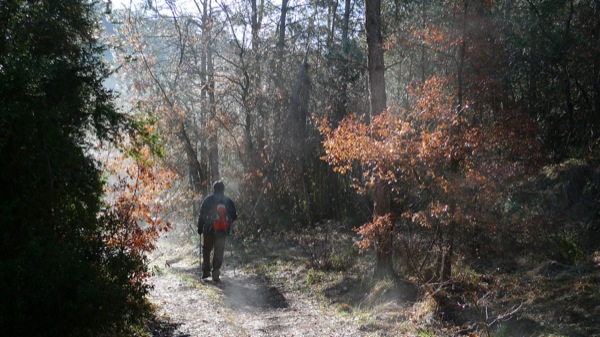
x: 57, y: 276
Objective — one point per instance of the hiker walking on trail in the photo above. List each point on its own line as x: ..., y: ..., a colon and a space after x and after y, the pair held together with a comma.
x: 217, y: 213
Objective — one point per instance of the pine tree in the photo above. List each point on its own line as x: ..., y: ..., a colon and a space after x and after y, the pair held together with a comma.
x: 57, y: 275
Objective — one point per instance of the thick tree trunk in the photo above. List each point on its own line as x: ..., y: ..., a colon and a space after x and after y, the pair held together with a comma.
x: 377, y: 95
x: 378, y: 103
x: 342, y: 104
x: 346, y: 24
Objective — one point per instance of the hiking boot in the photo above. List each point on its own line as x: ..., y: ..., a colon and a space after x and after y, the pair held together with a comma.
x: 216, y: 279
x: 205, y: 275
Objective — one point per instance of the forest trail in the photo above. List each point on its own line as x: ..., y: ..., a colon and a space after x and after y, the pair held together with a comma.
x: 241, y: 305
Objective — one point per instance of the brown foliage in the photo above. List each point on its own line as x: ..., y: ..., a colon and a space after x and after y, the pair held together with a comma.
x: 445, y: 166
x: 135, y: 190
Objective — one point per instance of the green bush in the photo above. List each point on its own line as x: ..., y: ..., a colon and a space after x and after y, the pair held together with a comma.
x: 567, y: 250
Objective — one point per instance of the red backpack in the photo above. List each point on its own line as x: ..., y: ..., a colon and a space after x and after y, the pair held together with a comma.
x: 221, y: 222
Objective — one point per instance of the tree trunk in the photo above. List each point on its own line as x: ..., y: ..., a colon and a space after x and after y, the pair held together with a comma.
x: 281, y: 38
x: 596, y: 75
x: 570, y: 105
x: 447, y: 254
x: 198, y: 180
x: 256, y: 73
x: 197, y: 176
x: 377, y: 95
x: 279, y: 104
x: 378, y: 103
x: 208, y: 94
x: 342, y: 106
x: 346, y: 25
x: 383, y: 263
x: 331, y: 12
x: 213, y: 138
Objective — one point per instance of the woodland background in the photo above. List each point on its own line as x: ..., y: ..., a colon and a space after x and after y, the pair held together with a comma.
x: 442, y: 135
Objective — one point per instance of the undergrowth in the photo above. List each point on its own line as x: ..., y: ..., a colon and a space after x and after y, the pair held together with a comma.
x: 529, y: 298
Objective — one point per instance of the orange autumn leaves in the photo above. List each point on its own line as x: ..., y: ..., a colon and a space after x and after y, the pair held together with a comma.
x: 435, y: 153
x: 377, y: 146
x: 401, y: 145
x: 376, y: 234
x: 135, y: 191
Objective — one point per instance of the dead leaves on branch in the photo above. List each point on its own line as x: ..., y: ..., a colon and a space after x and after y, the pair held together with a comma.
x: 135, y: 192
x: 377, y: 147
x: 395, y: 144
x: 442, y: 156
x: 376, y: 234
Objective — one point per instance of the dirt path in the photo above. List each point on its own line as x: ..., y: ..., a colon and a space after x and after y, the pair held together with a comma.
x: 241, y: 305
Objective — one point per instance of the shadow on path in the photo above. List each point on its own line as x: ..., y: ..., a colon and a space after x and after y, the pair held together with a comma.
x: 242, y: 291
x: 252, y: 292
x: 161, y: 328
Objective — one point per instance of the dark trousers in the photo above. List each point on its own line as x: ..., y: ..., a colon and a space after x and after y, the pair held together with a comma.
x: 210, y: 243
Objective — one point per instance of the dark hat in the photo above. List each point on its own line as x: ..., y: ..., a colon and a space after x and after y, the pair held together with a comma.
x: 218, y: 186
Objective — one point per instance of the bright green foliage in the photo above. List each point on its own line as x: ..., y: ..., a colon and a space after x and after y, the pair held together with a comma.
x: 57, y: 277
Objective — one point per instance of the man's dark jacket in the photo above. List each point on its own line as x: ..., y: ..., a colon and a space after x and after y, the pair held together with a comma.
x: 208, y: 211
